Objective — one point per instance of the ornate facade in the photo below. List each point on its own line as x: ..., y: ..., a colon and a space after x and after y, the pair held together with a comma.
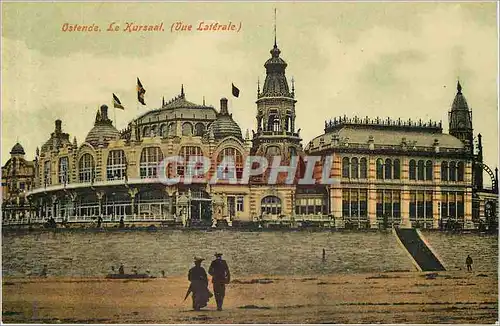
x: 384, y: 171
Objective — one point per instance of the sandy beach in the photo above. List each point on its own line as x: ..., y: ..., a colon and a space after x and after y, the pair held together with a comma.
x: 398, y: 297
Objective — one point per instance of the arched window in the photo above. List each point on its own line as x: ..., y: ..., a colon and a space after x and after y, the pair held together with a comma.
x: 86, y: 167
x: 270, y: 205
x: 64, y: 170
x: 388, y: 169
x: 187, y: 129
x: 186, y: 153
x: 153, y: 131
x: 444, y: 171
x: 172, y: 129
x: 146, y: 132
x: 363, y: 169
x: 380, y: 168
x: 163, y: 130
x: 116, y: 165
x: 453, y: 171
x: 273, y: 151
x: 273, y: 120
x: 428, y: 170
x: 413, y: 170
x: 199, y: 129
x: 460, y: 170
x: 420, y: 170
x: 354, y: 168
x: 234, y: 155
x: 47, y: 179
x: 150, y: 158
x: 397, y: 169
x: 345, y: 167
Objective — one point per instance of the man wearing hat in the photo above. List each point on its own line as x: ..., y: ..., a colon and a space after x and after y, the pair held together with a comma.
x: 199, y: 285
x: 220, y: 277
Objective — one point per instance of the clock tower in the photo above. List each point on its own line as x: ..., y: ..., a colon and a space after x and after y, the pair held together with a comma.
x: 276, y: 130
x: 460, y: 119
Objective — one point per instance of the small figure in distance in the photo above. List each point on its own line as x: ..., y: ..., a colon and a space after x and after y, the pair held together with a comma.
x: 324, y: 255
x: 121, y: 270
x: 220, y: 277
x: 468, y: 262
x: 134, y: 270
x: 122, y: 223
x: 162, y: 273
x: 43, y: 273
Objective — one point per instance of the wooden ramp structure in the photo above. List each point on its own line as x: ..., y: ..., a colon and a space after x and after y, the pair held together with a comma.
x: 421, y: 254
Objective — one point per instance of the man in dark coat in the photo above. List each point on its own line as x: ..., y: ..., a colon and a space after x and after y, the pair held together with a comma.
x: 220, y: 277
x: 468, y: 262
x: 199, y: 285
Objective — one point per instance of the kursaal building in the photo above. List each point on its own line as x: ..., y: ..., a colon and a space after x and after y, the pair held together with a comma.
x: 389, y: 171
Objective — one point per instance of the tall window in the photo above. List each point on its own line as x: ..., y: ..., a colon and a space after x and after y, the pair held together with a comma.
x: 354, y: 168
x: 397, y: 169
x: 172, y: 129
x: 428, y: 170
x: 150, y: 158
x: 235, y: 156
x: 270, y: 205
x: 444, y: 171
x: 86, y: 168
x: 47, y: 180
x: 453, y: 171
x: 187, y: 129
x: 186, y: 153
x: 380, y: 168
x: 354, y: 203
x: 163, y: 130
x: 413, y: 170
x: 460, y: 171
x: 388, y: 203
x: 421, y: 205
x: 63, y: 170
x: 345, y: 167
x: 420, y: 170
x: 146, y: 132
x: 388, y: 169
x: 116, y: 165
x: 363, y: 168
x: 199, y: 129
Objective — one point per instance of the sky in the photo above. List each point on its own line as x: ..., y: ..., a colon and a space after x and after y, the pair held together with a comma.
x: 398, y: 60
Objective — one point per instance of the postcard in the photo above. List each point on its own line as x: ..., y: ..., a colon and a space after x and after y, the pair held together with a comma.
x: 286, y: 162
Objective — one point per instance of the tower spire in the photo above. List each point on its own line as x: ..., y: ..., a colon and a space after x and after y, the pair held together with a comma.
x: 459, y: 87
x: 182, y: 90
x: 275, y: 44
x: 258, y: 86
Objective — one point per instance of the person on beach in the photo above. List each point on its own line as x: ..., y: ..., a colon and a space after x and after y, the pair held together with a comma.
x: 199, y: 285
x: 121, y: 270
x: 324, y: 255
x: 468, y: 262
x: 43, y: 273
x: 220, y: 277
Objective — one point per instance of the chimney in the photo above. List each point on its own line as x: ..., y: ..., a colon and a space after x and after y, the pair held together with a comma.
x: 58, y: 126
x: 104, y: 112
x: 223, y: 106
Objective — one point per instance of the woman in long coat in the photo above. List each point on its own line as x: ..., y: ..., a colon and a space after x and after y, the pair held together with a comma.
x: 199, y: 285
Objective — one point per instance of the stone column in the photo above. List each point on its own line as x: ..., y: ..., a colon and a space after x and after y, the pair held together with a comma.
x: 54, y: 206
x: 170, y: 190
x: 132, y: 193
x: 372, y: 206
x: 436, y: 207
x: 100, y: 195
x: 405, y: 207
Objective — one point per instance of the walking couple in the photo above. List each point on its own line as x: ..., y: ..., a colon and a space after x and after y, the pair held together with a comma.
x: 199, y: 282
